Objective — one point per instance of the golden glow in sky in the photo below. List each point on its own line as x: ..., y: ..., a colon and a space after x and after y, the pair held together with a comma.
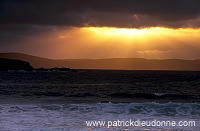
x: 120, y: 31
x: 145, y: 37
x: 123, y: 32
x: 104, y: 42
x: 152, y: 43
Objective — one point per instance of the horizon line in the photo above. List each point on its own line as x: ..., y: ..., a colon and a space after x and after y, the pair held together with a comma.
x: 96, y: 58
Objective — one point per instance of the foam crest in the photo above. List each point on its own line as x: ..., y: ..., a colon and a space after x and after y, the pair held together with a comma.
x: 66, y: 117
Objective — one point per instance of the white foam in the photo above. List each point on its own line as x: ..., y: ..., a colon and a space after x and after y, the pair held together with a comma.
x: 64, y: 117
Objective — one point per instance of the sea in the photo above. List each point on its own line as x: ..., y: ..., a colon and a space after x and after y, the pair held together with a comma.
x: 99, y: 100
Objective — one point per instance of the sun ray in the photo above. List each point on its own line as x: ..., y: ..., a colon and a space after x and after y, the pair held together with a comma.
x: 155, y: 42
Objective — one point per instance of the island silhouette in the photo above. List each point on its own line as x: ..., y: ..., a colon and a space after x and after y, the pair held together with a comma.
x: 108, y: 63
x: 11, y: 64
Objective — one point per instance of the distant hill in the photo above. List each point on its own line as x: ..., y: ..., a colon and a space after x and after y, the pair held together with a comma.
x: 110, y: 63
x: 11, y: 64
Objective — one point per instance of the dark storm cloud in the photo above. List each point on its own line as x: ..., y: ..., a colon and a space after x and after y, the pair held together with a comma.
x: 115, y: 13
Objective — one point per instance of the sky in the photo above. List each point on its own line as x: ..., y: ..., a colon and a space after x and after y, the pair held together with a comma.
x: 93, y: 29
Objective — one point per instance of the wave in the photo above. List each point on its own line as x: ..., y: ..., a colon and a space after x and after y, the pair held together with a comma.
x: 71, y: 117
x: 155, y: 96
x: 167, y: 109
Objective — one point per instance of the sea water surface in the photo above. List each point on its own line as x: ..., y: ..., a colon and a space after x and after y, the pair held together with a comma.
x: 64, y: 101
x: 64, y: 117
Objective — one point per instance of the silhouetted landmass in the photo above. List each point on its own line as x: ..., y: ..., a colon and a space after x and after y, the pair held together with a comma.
x: 10, y: 64
x: 61, y: 69
x: 54, y: 69
x: 110, y: 63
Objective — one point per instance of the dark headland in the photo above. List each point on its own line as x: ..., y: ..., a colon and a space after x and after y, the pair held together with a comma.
x: 109, y: 63
x: 14, y: 64
x: 11, y: 64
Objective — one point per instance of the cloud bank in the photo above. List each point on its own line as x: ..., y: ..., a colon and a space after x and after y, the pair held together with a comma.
x: 109, y: 13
